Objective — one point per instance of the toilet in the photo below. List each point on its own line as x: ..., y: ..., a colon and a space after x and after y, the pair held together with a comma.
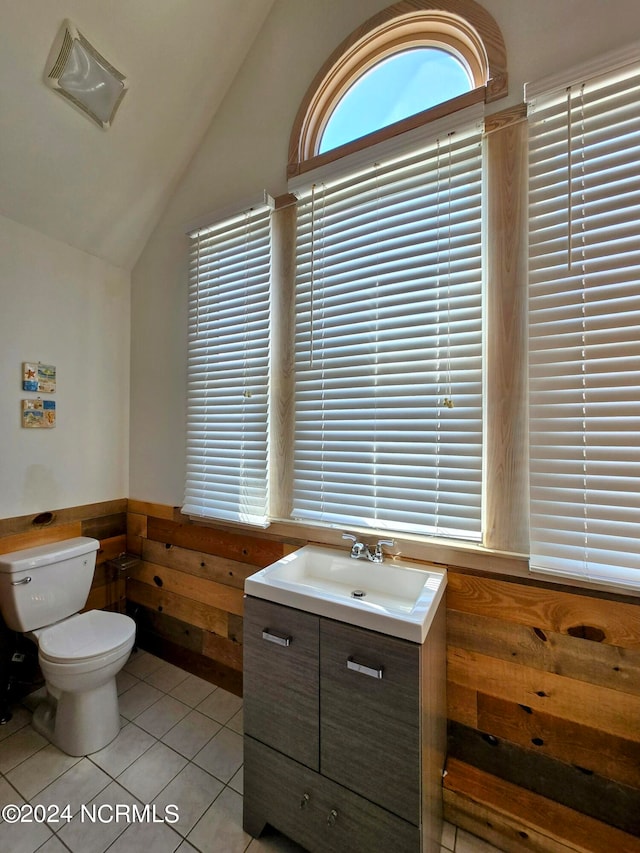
x: 42, y: 590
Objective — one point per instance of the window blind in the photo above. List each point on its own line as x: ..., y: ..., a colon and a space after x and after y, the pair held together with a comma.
x: 584, y: 317
x: 228, y: 370
x: 389, y: 344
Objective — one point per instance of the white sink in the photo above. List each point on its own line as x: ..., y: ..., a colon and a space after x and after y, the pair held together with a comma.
x: 392, y: 598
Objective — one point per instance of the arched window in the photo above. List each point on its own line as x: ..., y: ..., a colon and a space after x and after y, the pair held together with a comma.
x: 399, y: 86
x: 420, y: 64
x: 388, y: 379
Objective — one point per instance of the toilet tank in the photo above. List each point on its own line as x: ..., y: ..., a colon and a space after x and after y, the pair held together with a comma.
x: 42, y: 585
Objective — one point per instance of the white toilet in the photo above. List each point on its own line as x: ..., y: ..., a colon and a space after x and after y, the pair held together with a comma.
x: 41, y: 591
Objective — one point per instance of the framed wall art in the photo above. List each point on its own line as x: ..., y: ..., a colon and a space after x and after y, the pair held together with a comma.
x: 38, y: 377
x: 38, y: 414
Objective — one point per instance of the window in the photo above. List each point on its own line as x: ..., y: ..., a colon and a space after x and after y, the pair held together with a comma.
x: 399, y: 86
x: 474, y: 58
x: 387, y: 337
x: 584, y: 311
x: 389, y: 293
x: 228, y: 370
x: 389, y: 344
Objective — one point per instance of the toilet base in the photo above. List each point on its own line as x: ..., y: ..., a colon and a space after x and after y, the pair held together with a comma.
x: 44, y: 716
x: 79, y: 723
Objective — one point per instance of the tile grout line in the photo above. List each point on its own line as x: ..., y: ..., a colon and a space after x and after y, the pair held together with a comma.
x: 156, y: 740
x: 452, y: 836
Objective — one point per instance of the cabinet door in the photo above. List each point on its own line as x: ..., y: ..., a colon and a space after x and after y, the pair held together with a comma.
x: 370, y: 724
x: 281, y: 678
x: 317, y: 813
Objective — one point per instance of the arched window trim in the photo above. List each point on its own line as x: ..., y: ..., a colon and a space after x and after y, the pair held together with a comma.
x: 462, y: 27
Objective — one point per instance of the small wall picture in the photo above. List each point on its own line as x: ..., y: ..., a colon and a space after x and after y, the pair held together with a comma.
x: 38, y: 377
x: 38, y: 414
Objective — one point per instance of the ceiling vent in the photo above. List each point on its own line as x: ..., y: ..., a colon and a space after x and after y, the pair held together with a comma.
x: 83, y: 76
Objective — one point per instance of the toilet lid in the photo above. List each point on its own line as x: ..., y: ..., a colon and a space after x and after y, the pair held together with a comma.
x: 86, y: 635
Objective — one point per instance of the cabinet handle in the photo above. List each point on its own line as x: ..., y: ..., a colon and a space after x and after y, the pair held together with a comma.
x: 373, y: 672
x: 332, y: 817
x: 273, y: 637
x: 304, y: 802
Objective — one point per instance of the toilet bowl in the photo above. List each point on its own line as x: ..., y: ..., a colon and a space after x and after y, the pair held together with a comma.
x: 42, y: 590
x: 80, y: 658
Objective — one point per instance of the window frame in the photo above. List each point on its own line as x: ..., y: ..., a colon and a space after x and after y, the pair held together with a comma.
x: 461, y: 27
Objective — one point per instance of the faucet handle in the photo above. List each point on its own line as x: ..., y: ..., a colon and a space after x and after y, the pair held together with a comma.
x: 357, y: 548
x: 379, y: 553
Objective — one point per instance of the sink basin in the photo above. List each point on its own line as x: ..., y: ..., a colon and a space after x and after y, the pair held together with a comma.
x: 392, y: 598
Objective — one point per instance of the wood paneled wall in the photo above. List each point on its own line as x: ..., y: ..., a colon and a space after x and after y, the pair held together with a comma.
x: 544, y: 715
x: 186, y: 595
x: 543, y: 681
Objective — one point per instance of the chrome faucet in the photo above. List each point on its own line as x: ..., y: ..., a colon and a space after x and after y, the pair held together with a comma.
x: 360, y: 549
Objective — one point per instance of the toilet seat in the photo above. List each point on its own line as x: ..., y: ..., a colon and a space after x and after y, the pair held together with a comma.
x: 86, y: 637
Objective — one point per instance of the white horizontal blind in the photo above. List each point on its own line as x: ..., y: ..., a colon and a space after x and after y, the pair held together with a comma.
x: 584, y: 334
x: 389, y: 345
x: 228, y: 371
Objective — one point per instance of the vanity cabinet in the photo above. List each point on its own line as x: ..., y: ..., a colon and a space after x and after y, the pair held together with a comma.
x: 280, y: 663
x: 345, y: 732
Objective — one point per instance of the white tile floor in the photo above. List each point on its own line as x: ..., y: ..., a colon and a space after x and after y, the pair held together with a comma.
x: 180, y: 746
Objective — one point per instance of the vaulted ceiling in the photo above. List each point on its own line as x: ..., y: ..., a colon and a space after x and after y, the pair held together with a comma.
x: 103, y: 191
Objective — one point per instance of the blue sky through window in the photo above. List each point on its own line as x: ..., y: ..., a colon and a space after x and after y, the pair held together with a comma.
x: 397, y: 87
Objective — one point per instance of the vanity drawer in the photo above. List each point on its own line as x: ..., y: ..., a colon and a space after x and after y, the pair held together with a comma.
x: 314, y: 811
x: 370, y: 723
x: 281, y: 676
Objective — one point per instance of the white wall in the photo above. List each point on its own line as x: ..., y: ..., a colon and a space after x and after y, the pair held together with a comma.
x: 245, y: 151
x: 62, y: 307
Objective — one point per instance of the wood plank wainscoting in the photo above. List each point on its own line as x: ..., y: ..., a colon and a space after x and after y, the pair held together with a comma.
x: 187, y: 593
x: 543, y: 690
x: 543, y: 681
x: 544, y: 715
